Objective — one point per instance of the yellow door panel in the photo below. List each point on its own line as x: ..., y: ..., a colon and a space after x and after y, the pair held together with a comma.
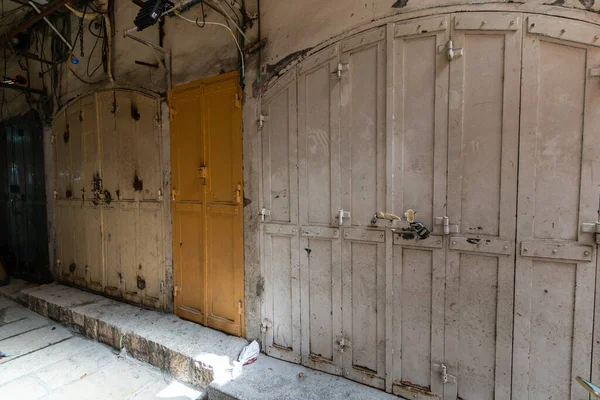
x: 188, y: 254
x: 207, y: 203
x: 186, y: 149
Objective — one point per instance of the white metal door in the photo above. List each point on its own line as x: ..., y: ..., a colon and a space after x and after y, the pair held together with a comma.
x: 559, y: 189
x: 320, y: 201
x: 363, y: 155
x: 419, y: 141
x: 482, y: 189
x: 280, y: 213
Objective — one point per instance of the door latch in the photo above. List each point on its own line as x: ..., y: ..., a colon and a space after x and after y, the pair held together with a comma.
x: 341, y: 215
x: 445, y: 222
x: 452, y: 52
x: 343, y: 344
x: 264, y: 213
x: 443, y: 370
x: 591, y: 227
x: 339, y: 69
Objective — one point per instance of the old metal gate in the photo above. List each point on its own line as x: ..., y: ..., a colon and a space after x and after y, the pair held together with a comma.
x: 207, y: 203
x: 360, y: 297
x: 23, y: 229
x: 109, y: 191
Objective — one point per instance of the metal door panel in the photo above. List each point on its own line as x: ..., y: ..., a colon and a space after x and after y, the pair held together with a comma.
x: 418, y: 318
x: 188, y: 250
x: 363, y: 125
x: 111, y: 231
x: 482, y: 162
x: 128, y: 221
x: 224, y: 268
x: 90, y: 146
x: 418, y: 181
x: 74, y: 119
x: 223, y: 149
x: 149, y: 253
x: 149, y: 161
x: 65, y: 253
x: 187, y: 144
x: 79, y: 244
x: 95, y: 257
x: 109, y: 141
x: 224, y: 217
x: 62, y: 156
x: 553, y: 306
x: 363, y: 166
x: 127, y: 141
x: 280, y: 256
x: 364, y: 307
x: 320, y: 202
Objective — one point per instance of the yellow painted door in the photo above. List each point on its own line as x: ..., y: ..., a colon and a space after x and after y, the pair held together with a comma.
x: 206, y: 158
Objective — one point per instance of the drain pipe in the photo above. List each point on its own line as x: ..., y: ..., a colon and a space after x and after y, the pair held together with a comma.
x: 167, y: 62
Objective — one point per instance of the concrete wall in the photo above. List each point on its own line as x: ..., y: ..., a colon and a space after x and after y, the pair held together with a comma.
x: 291, y: 29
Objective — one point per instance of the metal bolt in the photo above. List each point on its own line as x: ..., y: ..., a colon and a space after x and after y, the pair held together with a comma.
x: 525, y: 249
x: 512, y: 23
x: 442, y: 23
x: 562, y: 31
x: 418, y: 28
x: 532, y: 26
x: 586, y: 253
x: 554, y: 251
x: 505, y: 247
x: 294, y: 230
x: 345, y: 235
x: 483, y: 23
x: 439, y: 242
x: 454, y: 242
x: 457, y: 23
x: 596, y: 38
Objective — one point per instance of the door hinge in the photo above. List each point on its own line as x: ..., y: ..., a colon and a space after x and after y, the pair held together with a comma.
x: 452, y: 52
x: 238, y: 194
x: 240, y: 307
x: 238, y: 101
x: 202, y: 172
x: 53, y: 139
x: 264, y: 213
x: 265, y: 326
x: 261, y: 120
x: 443, y: 370
x: 339, y: 69
x: 591, y: 227
x: 341, y: 215
x: 176, y: 290
x: 445, y: 222
x: 174, y: 194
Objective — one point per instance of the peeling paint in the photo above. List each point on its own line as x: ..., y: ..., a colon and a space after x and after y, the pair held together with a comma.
x: 400, y: 4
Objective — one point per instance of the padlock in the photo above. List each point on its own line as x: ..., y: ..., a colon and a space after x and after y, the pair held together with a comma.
x: 421, y: 230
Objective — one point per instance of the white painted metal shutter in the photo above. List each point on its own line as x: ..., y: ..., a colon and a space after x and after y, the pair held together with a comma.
x: 363, y: 156
x: 482, y: 184
x: 558, y: 191
x: 320, y: 201
x: 420, y: 107
x: 281, y: 229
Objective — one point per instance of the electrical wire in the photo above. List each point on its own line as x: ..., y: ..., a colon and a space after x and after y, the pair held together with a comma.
x: 229, y: 16
x: 218, y: 24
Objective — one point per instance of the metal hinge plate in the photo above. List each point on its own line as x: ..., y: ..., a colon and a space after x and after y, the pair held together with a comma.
x: 443, y: 370
x: 240, y: 307
x: 176, y: 290
x: 264, y: 213
x: 590, y: 227
x: 262, y: 119
x: 445, y: 222
x: 452, y: 52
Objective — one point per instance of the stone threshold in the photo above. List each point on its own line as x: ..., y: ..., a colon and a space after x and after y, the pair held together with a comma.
x: 189, y: 352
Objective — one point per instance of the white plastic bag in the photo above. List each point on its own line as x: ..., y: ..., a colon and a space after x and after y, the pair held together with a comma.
x: 248, y: 355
